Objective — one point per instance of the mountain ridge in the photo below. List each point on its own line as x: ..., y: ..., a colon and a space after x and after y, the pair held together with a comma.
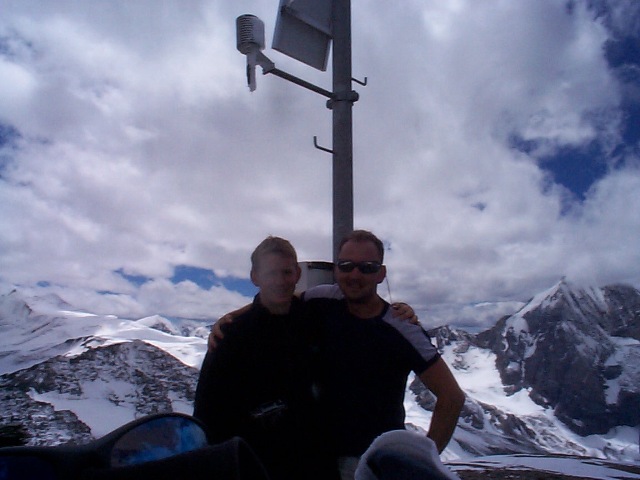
x: 96, y: 372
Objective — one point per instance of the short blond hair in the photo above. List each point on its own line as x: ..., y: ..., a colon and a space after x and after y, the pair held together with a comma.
x: 273, y: 244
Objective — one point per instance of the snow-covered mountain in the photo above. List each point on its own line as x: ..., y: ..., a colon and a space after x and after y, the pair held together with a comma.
x: 561, y: 376
x: 67, y: 375
x: 578, y: 351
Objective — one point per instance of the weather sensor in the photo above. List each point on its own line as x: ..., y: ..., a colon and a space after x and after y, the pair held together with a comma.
x: 250, y: 33
x: 250, y: 42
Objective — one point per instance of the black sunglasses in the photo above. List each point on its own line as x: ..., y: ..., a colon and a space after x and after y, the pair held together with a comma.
x: 367, y: 268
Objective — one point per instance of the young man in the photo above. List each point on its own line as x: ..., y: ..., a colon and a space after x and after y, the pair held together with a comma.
x: 257, y: 384
x: 365, y: 359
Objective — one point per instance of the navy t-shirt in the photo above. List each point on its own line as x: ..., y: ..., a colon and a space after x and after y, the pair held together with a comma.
x: 363, y: 365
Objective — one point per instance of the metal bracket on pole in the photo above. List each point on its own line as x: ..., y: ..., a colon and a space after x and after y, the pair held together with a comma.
x: 361, y: 82
x: 351, y: 96
x: 298, y: 81
x: 315, y: 144
x: 269, y: 67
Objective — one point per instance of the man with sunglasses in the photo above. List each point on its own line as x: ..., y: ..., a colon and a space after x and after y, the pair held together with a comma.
x: 365, y: 359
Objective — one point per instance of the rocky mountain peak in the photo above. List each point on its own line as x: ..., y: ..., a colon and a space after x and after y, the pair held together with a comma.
x: 565, y: 346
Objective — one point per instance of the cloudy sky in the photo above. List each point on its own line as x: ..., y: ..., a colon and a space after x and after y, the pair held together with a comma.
x: 496, y: 150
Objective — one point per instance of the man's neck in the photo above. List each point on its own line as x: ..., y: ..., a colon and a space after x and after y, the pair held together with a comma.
x: 369, y: 309
x: 277, y: 308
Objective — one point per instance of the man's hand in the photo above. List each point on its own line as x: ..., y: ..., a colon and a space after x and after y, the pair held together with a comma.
x: 216, y: 334
x: 404, y: 311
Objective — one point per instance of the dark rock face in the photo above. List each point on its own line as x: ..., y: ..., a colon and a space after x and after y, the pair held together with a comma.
x: 623, y: 317
x: 568, y: 350
x: 38, y: 422
x: 154, y: 378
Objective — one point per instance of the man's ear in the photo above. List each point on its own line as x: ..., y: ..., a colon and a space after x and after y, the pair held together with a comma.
x: 254, y: 278
x: 298, y: 273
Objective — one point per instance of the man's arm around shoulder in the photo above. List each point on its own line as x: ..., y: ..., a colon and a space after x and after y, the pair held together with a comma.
x: 450, y: 400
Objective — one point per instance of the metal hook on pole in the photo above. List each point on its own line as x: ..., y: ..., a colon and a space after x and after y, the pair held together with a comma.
x: 360, y: 82
x: 315, y: 144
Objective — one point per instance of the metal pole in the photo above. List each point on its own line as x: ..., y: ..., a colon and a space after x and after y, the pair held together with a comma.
x: 341, y: 105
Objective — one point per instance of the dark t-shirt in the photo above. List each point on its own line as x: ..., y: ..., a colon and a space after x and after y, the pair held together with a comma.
x: 258, y: 384
x: 363, y: 370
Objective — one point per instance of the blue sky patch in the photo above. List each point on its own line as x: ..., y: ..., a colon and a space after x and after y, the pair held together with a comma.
x: 203, y: 277
x: 137, y: 280
x: 575, y: 168
x: 206, y: 279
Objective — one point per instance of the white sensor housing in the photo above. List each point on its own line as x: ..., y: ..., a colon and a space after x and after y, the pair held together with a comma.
x: 249, y: 33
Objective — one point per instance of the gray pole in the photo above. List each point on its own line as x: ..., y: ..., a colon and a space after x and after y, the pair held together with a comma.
x: 342, y: 104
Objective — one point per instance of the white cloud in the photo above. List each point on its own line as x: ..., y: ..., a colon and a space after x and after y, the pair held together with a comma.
x: 143, y: 149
